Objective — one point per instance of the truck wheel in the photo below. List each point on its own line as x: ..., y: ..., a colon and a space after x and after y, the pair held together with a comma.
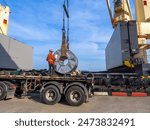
x: 3, y: 91
x: 51, y: 95
x: 75, y: 96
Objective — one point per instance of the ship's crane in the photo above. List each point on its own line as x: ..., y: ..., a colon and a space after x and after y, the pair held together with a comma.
x: 122, y: 13
x: 4, y: 19
x: 143, y: 24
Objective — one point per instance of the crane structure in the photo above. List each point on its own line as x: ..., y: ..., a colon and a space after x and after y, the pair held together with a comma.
x: 139, y: 35
x: 4, y: 19
x: 122, y: 11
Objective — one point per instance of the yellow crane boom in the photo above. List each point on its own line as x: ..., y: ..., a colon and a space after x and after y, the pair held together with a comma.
x: 122, y: 12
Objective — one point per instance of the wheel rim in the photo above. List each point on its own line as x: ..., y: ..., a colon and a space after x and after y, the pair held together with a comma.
x: 1, y: 91
x: 50, y: 95
x: 75, y: 96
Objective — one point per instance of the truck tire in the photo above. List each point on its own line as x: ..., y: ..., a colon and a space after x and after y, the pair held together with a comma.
x: 3, y: 91
x: 51, y: 95
x: 75, y: 96
x: 11, y: 88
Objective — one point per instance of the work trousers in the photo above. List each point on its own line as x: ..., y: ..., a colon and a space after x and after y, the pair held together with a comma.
x: 51, y: 69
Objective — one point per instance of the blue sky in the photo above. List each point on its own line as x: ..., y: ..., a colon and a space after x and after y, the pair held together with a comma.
x: 38, y: 23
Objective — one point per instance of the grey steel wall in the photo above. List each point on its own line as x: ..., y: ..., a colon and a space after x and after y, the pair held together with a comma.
x: 117, y: 49
x: 122, y: 45
x: 14, y: 54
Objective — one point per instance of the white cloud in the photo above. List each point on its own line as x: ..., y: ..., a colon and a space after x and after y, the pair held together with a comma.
x: 26, y: 32
x: 86, y: 49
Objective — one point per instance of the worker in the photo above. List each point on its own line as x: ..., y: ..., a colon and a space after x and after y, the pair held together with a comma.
x: 51, y: 60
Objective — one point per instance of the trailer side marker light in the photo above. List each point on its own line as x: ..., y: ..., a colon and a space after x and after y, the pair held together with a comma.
x: 12, y: 87
x: 119, y: 94
x: 138, y: 94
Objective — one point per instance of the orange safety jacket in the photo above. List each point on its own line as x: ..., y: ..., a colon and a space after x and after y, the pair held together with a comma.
x: 50, y: 58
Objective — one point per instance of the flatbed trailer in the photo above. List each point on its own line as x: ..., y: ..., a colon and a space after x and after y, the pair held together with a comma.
x: 76, y: 89
x: 120, y: 82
